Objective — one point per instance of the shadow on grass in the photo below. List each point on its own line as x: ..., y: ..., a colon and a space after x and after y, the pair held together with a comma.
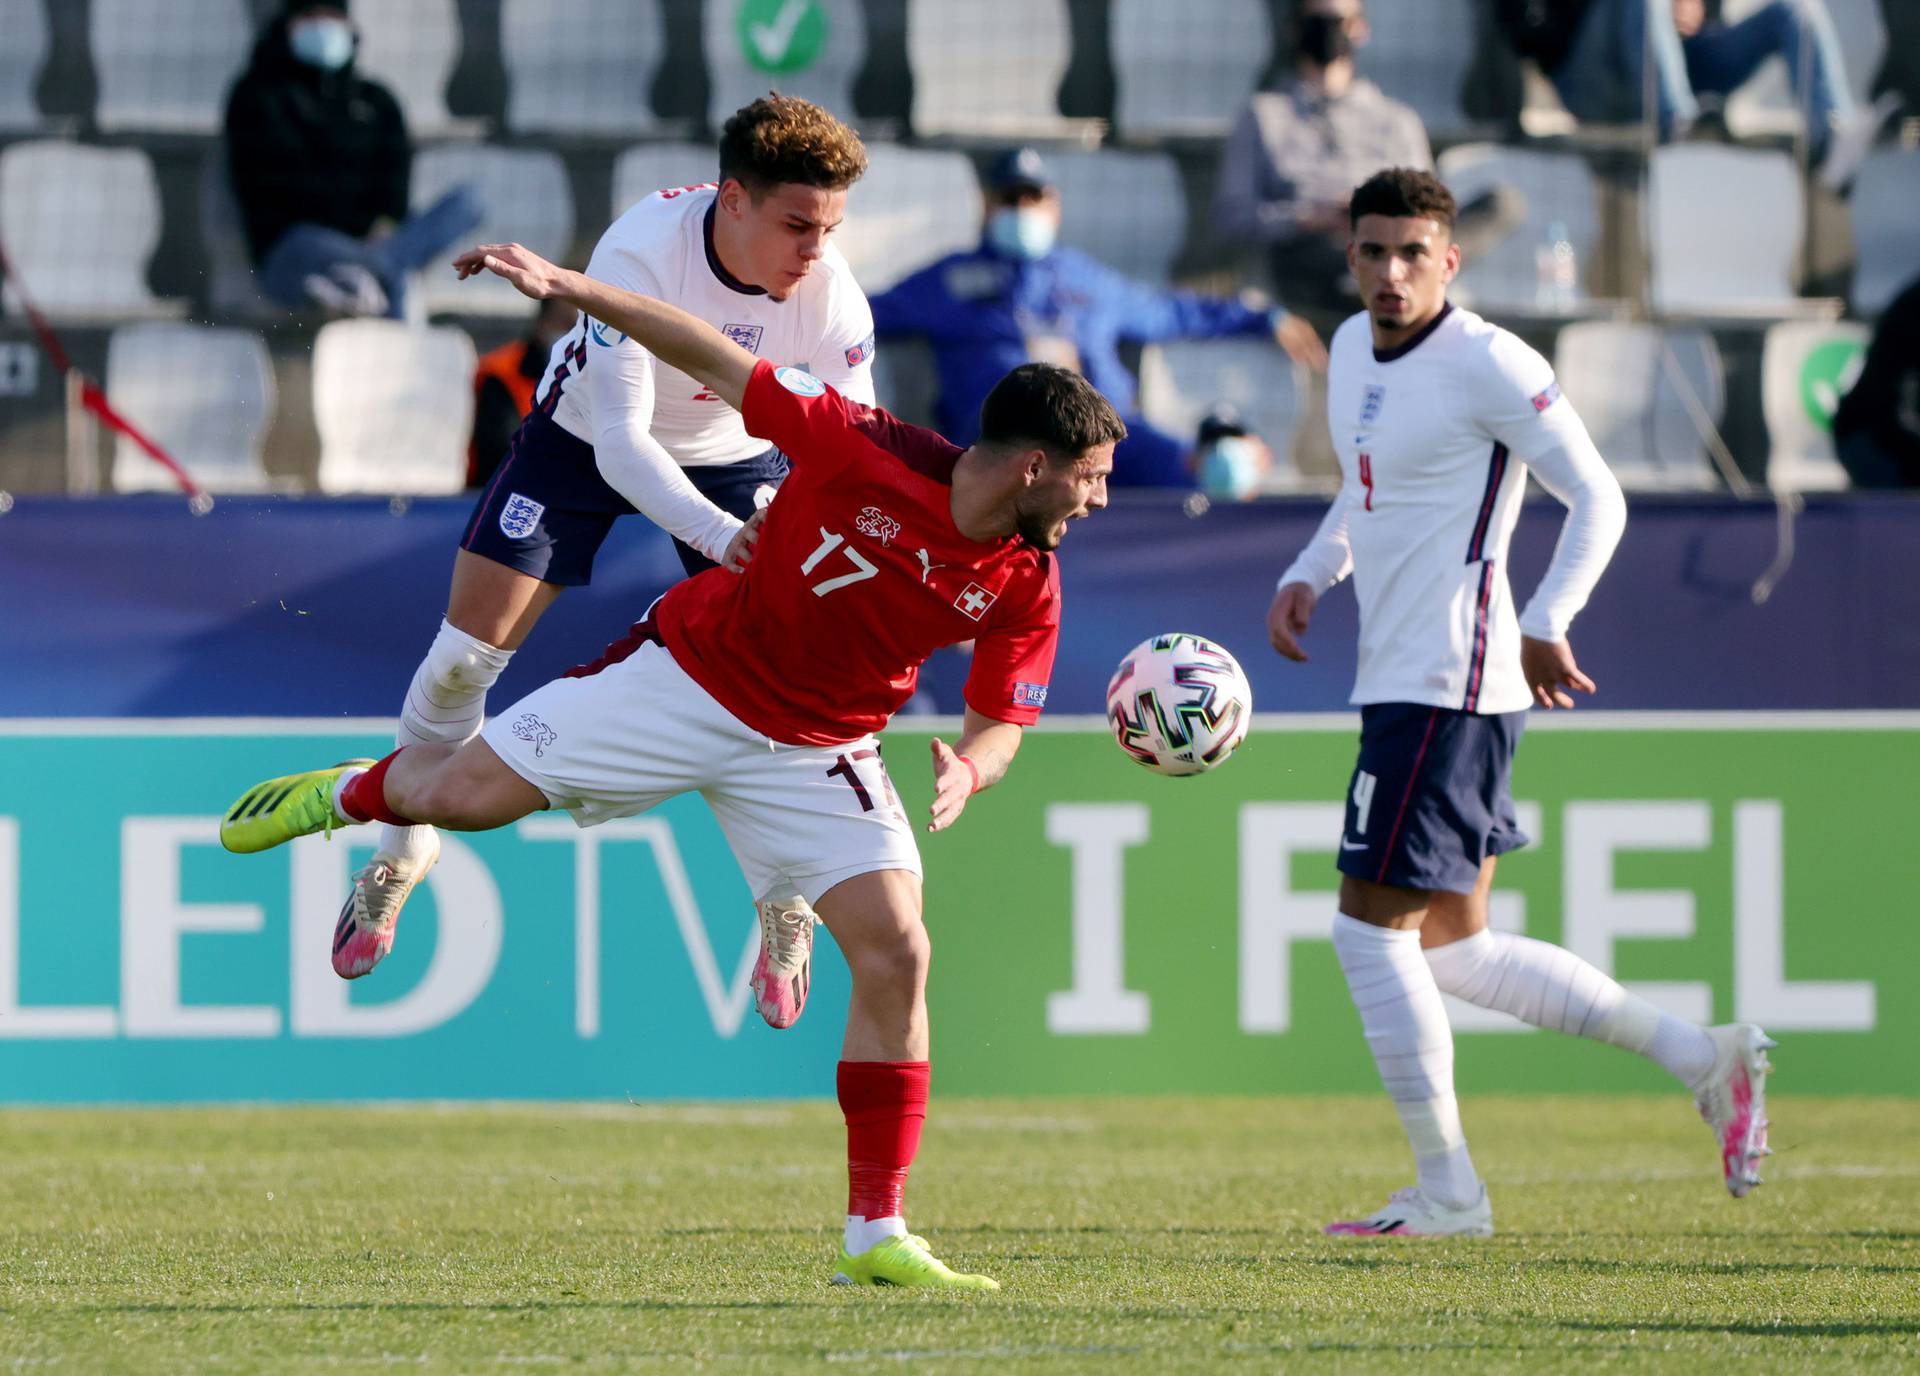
x: 1864, y: 1328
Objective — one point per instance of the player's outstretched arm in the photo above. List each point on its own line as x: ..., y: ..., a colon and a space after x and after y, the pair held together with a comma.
x: 671, y: 335
x: 978, y: 760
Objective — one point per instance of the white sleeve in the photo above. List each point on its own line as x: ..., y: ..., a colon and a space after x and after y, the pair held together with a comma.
x: 1328, y: 557
x: 1522, y: 408
x: 620, y: 391
x: 845, y: 361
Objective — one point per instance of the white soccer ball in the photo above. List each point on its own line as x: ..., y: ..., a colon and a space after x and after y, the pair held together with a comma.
x: 1179, y: 704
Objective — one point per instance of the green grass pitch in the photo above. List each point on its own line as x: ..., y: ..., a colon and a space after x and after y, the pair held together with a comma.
x: 1130, y: 1235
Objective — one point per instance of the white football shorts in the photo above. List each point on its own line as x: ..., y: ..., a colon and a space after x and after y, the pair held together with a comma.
x: 800, y: 818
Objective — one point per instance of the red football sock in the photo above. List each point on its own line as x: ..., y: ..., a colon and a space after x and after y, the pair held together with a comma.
x: 885, y: 1103
x: 365, y: 798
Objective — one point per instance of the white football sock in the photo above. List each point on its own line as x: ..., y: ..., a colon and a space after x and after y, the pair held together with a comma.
x: 446, y: 703
x: 1406, y: 1025
x: 863, y: 1233
x: 1550, y: 986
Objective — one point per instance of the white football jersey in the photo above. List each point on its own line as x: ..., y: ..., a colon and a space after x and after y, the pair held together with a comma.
x: 663, y: 248
x: 1435, y: 439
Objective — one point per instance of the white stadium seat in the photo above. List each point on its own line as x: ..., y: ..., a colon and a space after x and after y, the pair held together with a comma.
x: 988, y: 68
x: 587, y: 70
x: 1765, y: 104
x: 1805, y: 368
x: 1695, y: 191
x: 651, y: 167
x: 1559, y: 189
x: 394, y: 406
x: 204, y: 395
x: 412, y: 47
x: 80, y: 224
x: 1181, y: 380
x: 24, y: 45
x: 1886, y: 242
x: 528, y: 200
x: 915, y: 205
x: 1129, y: 210
x: 1419, y: 53
x: 1186, y: 69
x: 166, y: 65
x: 747, y: 56
x: 1630, y: 383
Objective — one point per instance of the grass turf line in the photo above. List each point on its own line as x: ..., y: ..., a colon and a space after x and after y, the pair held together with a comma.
x: 1130, y: 1234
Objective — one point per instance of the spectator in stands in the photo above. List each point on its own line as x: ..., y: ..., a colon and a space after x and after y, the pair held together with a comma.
x: 504, y: 383
x: 1298, y: 150
x: 320, y: 164
x: 1595, y: 52
x: 1021, y: 298
x: 1877, y: 428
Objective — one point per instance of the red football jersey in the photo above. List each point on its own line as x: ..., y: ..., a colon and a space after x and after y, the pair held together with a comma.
x: 858, y: 576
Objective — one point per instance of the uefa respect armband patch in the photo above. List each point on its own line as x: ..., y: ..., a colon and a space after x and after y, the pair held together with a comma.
x: 1547, y: 397
x: 1029, y: 694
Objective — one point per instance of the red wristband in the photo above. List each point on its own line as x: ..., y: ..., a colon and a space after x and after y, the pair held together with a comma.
x: 971, y: 770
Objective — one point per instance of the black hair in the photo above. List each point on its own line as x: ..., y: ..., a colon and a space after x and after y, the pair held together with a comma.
x: 1402, y: 191
x: 1052, y: 407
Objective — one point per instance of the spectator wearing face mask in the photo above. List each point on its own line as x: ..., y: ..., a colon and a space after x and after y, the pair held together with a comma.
x: 320, y: 164
x: 1299, y: 149
x: 1020, y: 297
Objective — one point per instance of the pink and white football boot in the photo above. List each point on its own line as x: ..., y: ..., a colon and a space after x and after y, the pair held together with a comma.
x: 1733, y: 1100
x: 784, y: 972
x: 1409, y: 1213
x: 364, y: 934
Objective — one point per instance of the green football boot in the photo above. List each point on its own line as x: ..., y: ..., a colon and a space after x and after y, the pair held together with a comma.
x: 277, y: 811
x: 905, y: 1261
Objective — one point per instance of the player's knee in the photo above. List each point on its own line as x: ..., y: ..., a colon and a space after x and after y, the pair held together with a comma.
x: 463, y: 663
x: 898, y: 960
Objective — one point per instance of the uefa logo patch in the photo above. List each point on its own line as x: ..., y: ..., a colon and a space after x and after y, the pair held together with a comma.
x: 800, y: 382
x: 974, y: 600
x: 860, y: 353
x: 604, y: 334
x: 1547, y: 397
x: 746, y: 336
x: 520, y: 516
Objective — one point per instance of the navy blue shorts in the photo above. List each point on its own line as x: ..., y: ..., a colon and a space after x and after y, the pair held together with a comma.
x: 1431, y: 796
x: 546, y: 511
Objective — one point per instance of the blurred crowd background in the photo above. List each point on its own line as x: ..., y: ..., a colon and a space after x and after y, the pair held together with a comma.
x: 1705, y: 213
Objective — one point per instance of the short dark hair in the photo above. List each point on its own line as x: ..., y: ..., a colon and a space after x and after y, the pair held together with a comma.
x: 781, y: 139
x: 1052, y: 407
x: 1400, y: 191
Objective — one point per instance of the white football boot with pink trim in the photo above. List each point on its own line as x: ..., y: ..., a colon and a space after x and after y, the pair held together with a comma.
x: 364, y: 934
x: 1409, y: 1213
x: 784, y: 972
x: 1733, y: 1100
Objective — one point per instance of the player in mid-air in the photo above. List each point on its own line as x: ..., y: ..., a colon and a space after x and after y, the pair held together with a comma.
x: 887, y: 543
x: 1437, y: 417
x: 614, y: 431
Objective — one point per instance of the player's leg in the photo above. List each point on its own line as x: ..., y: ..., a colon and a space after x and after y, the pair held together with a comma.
x: 462, y: 788
x: 824, y: 821
x: 1549, y: 986
x: 1398, y: 856
x: 534, y: 531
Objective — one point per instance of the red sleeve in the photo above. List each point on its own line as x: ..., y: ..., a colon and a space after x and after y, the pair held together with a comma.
x: 1013, y: 658
x: 810, y: 422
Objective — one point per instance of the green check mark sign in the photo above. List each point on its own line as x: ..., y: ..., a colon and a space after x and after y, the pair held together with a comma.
x: 782, y: 35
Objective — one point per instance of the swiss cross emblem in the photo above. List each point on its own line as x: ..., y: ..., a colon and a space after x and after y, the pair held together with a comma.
x: 974, y: 600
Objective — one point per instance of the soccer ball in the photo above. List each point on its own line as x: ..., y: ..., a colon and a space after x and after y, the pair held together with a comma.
x: 1179, y: 704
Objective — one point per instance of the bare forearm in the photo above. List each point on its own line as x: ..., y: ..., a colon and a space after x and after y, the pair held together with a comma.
x: 668, y: 333
x: 990, y: 745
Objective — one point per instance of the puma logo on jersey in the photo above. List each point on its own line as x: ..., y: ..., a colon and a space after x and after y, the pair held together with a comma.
x: 875, y: 522
x: 927, y: 566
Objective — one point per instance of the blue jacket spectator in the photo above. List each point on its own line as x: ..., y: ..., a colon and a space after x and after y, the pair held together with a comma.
x: 1019, y: 297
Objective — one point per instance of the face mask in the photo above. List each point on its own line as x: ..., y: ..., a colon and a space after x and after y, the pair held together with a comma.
x: 1323, y: 39
x: 323, y: 43
x: 1019, y: 233
x: 1230, y: 469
